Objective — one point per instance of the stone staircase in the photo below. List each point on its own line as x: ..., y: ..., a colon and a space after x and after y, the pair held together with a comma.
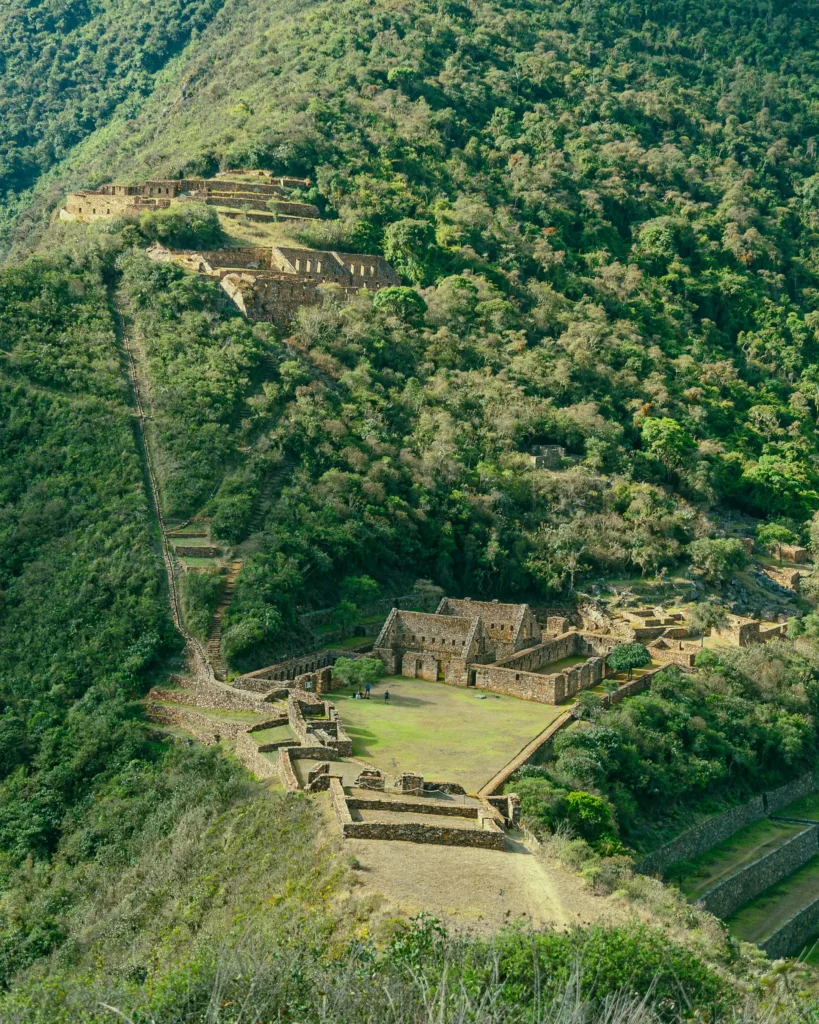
x: 214, y: 644
x: 268, y: 488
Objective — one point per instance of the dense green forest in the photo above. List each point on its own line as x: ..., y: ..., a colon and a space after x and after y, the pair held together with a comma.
x: 610, y: 215
x: 605, y: 217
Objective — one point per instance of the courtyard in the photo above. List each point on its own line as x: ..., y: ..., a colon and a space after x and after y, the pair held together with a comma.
x: 445, y: 733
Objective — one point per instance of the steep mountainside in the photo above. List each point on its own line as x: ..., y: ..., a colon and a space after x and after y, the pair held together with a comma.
x: 605, y: 218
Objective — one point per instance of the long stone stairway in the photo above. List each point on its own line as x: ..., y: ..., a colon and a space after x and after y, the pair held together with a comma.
x: 214, y: 644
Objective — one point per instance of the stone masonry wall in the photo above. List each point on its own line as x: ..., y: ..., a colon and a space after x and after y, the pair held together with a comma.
x: 542, y: 654
x: 197, y: 726
x: 703, y: 837
x: 286, y: 772
x: 757, y: 876
x: 413, y: 832
x: 777, y: 799
x: 413, y: 807
x: 545, y: 689
x: 221, y: 698
x: 248, y: 753
x: 794, y: 933
x: 284, y: 670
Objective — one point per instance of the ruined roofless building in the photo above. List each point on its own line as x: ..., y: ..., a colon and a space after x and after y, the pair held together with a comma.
x: 271, y: 284
x: 232, y: 195
x: 460, y: 633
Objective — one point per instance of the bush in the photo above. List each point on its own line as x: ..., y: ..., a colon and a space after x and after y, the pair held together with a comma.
x: 185, y: 225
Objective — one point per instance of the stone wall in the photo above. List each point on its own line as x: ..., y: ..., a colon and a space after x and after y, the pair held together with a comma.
x: 223, y: 698
x: 545, y: 689
x: 199, y: 727
x: 413, y: 807
x: 283, y: 671
x: 340, y: 803
x: 757, y: 876
x: 247, y: 751
x: 414, y: 832
x: 702, y: 837
x: 286, y: 772
x: 777, y: 799
x: 790, y: 939
x: 534, y: 658
x: 793, y: 553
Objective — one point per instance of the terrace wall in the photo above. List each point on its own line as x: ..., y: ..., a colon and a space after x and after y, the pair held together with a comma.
x: 777, y: 799
x: 757, y: 876
x: 414, y: 832
x: 247, y: 751
x: 703, y: 837
x: 794, y: 933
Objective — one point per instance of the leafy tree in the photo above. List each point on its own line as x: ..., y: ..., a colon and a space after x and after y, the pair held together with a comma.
x: 773, y: 535
x: 717, y: 559
x: 588, y: 816
x: 403, y: 303
x: 667, y: 441
x: 360, y: 590
x: 410, y: 246
x: 707, y: 616
x: 358, y: 671
x: 345, y: 617
x: 627, y: 657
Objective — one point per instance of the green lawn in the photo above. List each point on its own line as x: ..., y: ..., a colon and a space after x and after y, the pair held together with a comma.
x: 806, y: 807
x: 769, y: 911
x: 697, y: 876
x: 447, y: 733
x: 273, y: 735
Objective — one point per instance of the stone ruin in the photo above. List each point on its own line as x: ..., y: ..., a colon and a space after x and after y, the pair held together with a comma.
x: 547, y: 456
x: 492, y: 646
x: 272, y: 284
x: 418, y: 812
x: 265, y: 197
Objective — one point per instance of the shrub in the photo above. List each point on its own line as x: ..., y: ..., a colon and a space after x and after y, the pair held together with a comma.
x: 187, y: 225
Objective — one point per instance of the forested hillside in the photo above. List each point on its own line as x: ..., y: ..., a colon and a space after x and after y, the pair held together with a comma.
x: 605, y: 217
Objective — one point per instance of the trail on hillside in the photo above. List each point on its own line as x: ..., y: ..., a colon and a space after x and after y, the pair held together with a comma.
x: 196, y: 651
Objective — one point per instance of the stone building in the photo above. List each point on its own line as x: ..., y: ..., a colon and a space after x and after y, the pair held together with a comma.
x: 271, y: 284
x: 263, y: 195
x: 491, y: 646
x: 547, y: 456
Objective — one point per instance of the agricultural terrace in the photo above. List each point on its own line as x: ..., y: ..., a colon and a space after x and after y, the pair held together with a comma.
x: 446, y: 733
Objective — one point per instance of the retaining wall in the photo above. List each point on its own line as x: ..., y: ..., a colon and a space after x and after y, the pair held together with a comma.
x: 776, y: 799
x: 703, y: 837
x: 413, y: 832
x: 757, y: 876
x: 199, y: 727
x: 794, y: 933
x: 220, y: 698
x: 286, y: 772
x: 247, y: 751
x: 413, y: 807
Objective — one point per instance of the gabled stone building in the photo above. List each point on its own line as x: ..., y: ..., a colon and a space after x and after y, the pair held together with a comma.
x: 492, y: 646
